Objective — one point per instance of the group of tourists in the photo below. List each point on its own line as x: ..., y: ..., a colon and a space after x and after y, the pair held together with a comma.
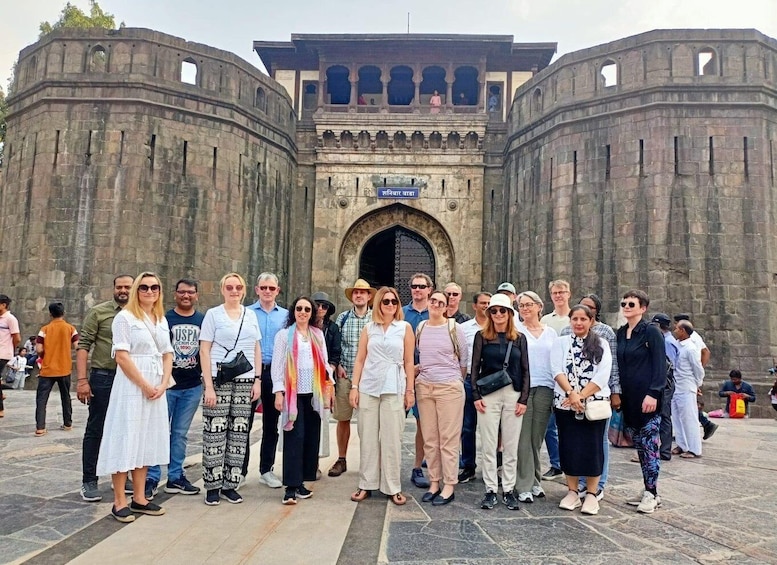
x: 519, y: 377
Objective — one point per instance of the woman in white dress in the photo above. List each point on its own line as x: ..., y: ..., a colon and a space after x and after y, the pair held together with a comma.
x: 137, y: 431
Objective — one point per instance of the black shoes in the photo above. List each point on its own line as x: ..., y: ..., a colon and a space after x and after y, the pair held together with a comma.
x: 466, y: 474
x: 430, y: 496
x: 489, y: 501
x: 709, y: 430
x: 440, y: 501
x: 231, y: 495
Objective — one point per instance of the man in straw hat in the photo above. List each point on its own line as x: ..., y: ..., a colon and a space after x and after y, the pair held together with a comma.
x: 351, y: 322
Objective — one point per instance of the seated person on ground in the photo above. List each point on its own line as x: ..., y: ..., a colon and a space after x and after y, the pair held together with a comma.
x: 735, y: 384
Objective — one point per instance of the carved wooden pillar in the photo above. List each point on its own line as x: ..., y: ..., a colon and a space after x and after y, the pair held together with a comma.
x: 384, y: 79
x: 449, y: 78
x: 353, y: 77
x: 321, y: 83
x: 417, y: 83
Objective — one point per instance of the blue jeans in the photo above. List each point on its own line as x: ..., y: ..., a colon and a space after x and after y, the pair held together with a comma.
x: 181, y: 407
x: 469, y: 425
x: 606, y: 467
x: 551, y: 442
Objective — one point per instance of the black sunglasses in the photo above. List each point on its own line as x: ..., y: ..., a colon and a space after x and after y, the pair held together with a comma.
x: 387, y: 301
x: 421, y: 286
x: 498, y: 309
x: 629, y: 304
x: 146, y: 288
x: 306, y: 309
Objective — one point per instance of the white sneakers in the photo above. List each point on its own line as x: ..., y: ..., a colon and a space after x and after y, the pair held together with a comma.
x: 571, y: 501
x: 525, y: 497
x: 590, y: 505
x: 647, y: 504
x: 270, y: 480
x: 537, y: 491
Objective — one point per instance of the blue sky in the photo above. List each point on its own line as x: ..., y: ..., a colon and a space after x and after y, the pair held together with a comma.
x: 234, y: 24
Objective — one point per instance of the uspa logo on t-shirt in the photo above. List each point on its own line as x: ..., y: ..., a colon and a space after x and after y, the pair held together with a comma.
x: 186, y: 344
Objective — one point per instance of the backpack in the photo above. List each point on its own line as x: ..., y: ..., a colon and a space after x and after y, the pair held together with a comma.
x: 345, y: 319
x: 451, y: 334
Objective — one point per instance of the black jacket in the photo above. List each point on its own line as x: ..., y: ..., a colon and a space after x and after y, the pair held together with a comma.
x: 642, y: 369
x: 488, y: 356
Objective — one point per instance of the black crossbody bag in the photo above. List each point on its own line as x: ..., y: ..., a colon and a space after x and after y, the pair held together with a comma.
x: 226, y: 371
x: 494, y: 381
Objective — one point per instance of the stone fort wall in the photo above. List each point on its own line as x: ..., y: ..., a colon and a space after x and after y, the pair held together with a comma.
x: 115, y: 165
x: 662, y: 179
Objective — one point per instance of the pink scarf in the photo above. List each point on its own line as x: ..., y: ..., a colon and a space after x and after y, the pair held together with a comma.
x: 290, y: 379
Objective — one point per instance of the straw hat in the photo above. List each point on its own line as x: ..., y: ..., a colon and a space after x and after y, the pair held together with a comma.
x: 360, y: 284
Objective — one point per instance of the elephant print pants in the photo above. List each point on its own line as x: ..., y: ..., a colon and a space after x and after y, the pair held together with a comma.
x: 225, y: 435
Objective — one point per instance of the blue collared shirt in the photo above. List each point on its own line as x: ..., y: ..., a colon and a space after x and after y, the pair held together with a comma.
x: 413, y: 316
x: 270, y: 323
x: 672, y: 347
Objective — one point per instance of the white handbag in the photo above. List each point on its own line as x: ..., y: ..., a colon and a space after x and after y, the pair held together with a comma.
x: 597, y: 409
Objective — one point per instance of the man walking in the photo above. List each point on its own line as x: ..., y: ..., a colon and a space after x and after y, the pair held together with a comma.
x: 688, y: 377
x: 672, y: 347
x: 453, y: 292
x: 9, y: 338
x: 416, y: 312
x: 97, y: 333
x: 54, y: 345
x: 272, y: 318
x: 351, y: 322
x: 183, y: 398
x: 704, y: 355
x: 469, y: 425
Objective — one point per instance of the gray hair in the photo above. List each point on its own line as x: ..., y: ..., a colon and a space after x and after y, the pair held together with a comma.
x: 268, y: 276
x: 533, y: 296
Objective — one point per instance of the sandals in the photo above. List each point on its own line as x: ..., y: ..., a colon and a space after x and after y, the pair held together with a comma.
x: 677, y: 451
x: 399, y: 499
x: 65, y: 428
x: 40, y: 432
x: 360, y: 495
x: 689, y: 455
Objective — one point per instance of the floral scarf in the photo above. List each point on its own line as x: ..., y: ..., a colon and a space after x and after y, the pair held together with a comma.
x: 320, y: 377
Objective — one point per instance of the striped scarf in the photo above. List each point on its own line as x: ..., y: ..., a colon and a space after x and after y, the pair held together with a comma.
x: 290, y: 379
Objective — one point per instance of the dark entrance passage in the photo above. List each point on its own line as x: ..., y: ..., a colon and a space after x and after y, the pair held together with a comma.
x: 391, y: 257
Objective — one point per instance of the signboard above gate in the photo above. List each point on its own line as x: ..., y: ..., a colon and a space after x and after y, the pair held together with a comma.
x: 399, y: 192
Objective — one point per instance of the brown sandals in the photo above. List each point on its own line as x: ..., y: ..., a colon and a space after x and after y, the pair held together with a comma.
x: 677, y: 451
x: 360, y: 495
x: 689, y: 455
x: 399, y: 499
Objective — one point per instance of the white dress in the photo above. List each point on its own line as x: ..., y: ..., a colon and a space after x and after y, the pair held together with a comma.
x: 137, y: 430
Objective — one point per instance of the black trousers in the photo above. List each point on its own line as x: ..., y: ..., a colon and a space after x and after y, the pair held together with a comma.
x: 3, y: 363
x: 270, y: 417
x: 45, y: 384
x: 300, y: 444
x: 665, y: 431
x: 101, y: 383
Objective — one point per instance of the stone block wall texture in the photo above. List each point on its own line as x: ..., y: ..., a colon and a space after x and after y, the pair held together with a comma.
x: 114, y: 165
x: 663, y: 181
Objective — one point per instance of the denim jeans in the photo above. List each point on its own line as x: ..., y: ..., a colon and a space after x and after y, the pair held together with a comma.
x: 101, y: 383
x: 551, y: 442
x: 181, y: 407
x: 469, y: 425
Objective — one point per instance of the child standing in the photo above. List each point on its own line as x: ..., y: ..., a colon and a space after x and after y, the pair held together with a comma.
x: 19, y: 369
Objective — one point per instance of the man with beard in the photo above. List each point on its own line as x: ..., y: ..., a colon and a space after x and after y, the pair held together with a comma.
x: 183, y: 397
x: 96, y: 332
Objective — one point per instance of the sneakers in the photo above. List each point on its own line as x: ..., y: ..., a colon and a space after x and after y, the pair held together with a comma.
x: 537, y: 492
x: 418, y: 479
x: 338, y: 468
x: 90, y: 493
x: 149, y: 508
x: 526, y: 497
x: 231, y: 495
x: 302, y: 492
x: 709, y: 430
x: 124, y: 515
x: 570, y: 501
x: 552, y: 474
x: 510, y: 501
x: 290, y: 496
x: 599, y: 494
x: 638, y: 501
x: 590, y: 505
x: 212, y: 498
x: 270, y: 480
x: 151, y: 490
x: 489, y: 501
x: 648, y: 504
x: 128, y: 488
x: 181, y: 486
x: 466, y: 474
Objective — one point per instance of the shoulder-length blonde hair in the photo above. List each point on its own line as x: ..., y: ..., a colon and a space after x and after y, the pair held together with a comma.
x: 133, y: 304
x: 489, y: 332
x: 239, y: 278
x: 377, y: 315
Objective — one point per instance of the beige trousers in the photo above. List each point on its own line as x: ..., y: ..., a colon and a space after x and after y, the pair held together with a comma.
x: 380, y: 425
x: 440, y: 409
x: 500, y: 409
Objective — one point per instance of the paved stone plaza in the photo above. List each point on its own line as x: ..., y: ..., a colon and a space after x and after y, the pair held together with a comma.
x: 719, y: 509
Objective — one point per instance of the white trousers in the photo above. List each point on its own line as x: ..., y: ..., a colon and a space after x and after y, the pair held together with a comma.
x: 500, y: 409
x: 685, y: 421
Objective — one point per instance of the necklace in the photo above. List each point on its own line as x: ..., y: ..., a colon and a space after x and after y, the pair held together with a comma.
x: 304, y: 336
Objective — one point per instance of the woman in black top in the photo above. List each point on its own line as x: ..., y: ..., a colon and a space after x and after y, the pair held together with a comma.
x: 642, y: 369
x: 323, y: 321
x: 505, y: 406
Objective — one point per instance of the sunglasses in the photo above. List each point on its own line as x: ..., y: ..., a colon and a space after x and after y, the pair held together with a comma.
x: 306, y: 309
x: 625, y: 304
x: 270, y: 288
x: 417, y: 286
x: 230, y: 288
x: 452, y: 293
x: 497, y: 310
x: 322, y: 305
x: 146, y: 288
x: 391, y: 301
x: 435, y: 302
x: 186, y: 292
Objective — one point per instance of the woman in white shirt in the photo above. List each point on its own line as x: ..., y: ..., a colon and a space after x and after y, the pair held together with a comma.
x: 382, y: 390
x: 581, y: 363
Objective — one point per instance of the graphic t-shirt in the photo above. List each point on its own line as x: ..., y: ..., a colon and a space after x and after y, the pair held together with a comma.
x: 185, y: 338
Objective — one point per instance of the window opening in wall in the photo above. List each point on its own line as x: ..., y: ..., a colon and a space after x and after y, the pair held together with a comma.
x: 260, y: 99
x: 370, y: 88
x: 213, y: 167
x: 712, y: 158
x: 607, y: 163
x: 121, y: 148
x: 676, y: 156
x: 185, y: 155
x: 574, y: 167
x: 338, y: 89
x: 32, y: 70
x: 89, y: 149
x: 412, y: 182
x: 258, y: 176
x: 469, y: 184
x: 56, y: 147
x: 329, y: 182
x: 641, y: 157
x: 443, y: 184
x: 465, y: 86
x: 550, y: 177
x: 433, y: 79
x: 537, y: 101
x: 401, y: 89
x: 152, y: 151
x: 609, y: 73
x: 747, y: 164
x: 357, y: 183
x: 494, y: 98
x: 189, y: 71
x: 239, y: 171
x: 98, y: 60
x: 384, y: 181
x: 707, y: 62
x: 771, y: 161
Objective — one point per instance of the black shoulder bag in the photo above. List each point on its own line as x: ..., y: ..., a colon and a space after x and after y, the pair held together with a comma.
x: 494, y: 381
x: 226, y: 371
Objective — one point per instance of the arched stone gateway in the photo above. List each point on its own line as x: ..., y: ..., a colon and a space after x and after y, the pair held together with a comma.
x: 377, y: 246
